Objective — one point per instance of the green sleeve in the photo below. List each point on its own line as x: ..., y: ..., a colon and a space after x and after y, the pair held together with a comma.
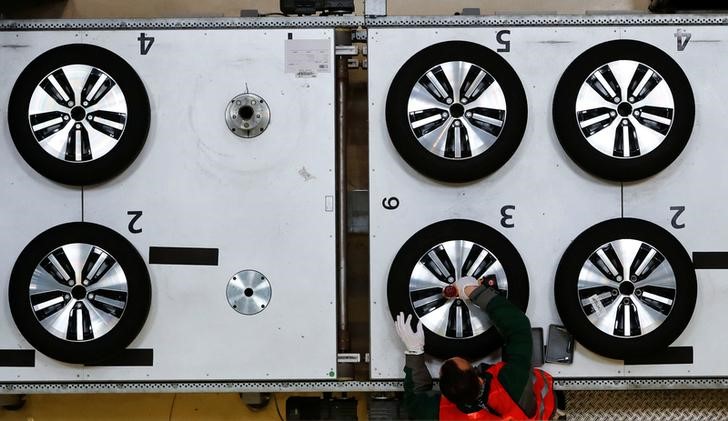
x: 514, y: 327
x: 421, y: 401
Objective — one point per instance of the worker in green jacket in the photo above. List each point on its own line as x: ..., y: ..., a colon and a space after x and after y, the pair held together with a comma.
x: 510, y: 389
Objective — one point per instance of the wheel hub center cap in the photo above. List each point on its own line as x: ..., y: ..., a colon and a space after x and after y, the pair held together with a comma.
x: 457, y: 110
x: 626, y: 288
x: 450, y: 291
x: 624, y: 109
x: 78, y: 292
x: 78, y: 113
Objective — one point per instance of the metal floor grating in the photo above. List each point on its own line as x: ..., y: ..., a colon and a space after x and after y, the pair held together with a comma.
x: 647, y: 405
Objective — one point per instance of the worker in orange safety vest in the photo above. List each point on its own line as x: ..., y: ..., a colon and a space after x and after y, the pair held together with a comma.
x: 510, y: 389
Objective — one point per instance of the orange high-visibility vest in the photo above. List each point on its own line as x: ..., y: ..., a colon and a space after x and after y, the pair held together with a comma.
x: 502, y: 404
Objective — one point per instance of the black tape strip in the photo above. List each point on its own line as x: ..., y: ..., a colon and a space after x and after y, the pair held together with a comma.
x: 710, y: 259
x: 135, y: 357
x: 183, y: 256
x: 17, y: 358
x: 672, y: 355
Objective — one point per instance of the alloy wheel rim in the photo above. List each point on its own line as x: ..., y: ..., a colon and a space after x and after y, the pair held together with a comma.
x: 625, y: 109
x: 431, y: 288
x: 627, y: 288
x: 77, y: 113
x: 456, y: 110
x: 78, y: 292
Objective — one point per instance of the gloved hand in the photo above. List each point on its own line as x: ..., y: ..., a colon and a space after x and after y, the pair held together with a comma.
x: 466, y: 281
x: 414, y: 342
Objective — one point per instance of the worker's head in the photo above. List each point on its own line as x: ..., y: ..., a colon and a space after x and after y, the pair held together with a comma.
x: 459, y: 382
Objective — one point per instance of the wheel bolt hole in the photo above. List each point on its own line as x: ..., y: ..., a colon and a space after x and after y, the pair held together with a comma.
x: 457, y: 110
x: 246, y: 112
x: 248, y: 292
x: 78, y: 292
x: 626, y: 288
x: 78, y: 113
x: 624, y: 109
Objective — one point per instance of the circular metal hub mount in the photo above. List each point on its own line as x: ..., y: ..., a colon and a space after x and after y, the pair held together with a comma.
x: 627, y: 288
x: 248, y: 292
x: 247, y: 115
x: 435, y: 297
x: 78, y: 292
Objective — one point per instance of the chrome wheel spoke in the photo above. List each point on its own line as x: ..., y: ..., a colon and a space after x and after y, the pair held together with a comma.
x: 658, y: 119
x: 109, y: 123
x: 479, y: 140
x: 48, y: 303
x: 627, y: 323
x: 437, y: 319
x: 658, y: 298
x: 643, y: 82
x: 109, y: 301
x: 625, y: 140
x: 97, y: 265
x: 596, y: 119
x: 418, y: 295
x: 457, y: 144
x: 425, y: 122
x: 59, y: 267
x: 458, y: 321
x: 57, y: 323
x: 57, y: 86
x: 429, y: 304
x: 438, y: 262
x: 605, y: 84
x: 436, y: 83
x: 645, y: 262
x: 78, y: 147
x: 79, y: 324
x: 47, y: 124
x: 595, y: 299
x: 97, y: 85
x: 476, y: 82
x: 608, y: 262
x: 489, y: 120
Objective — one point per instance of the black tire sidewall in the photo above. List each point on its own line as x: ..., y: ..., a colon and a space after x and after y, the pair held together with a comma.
x: 456, y: 229
x: 461, y: 170
x: 568, y: 301
x: 131, y: 321
x: 589, y: 158
x: 129, y: 144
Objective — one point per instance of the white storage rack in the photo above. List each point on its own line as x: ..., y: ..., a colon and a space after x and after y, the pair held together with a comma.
x: 104, y: 203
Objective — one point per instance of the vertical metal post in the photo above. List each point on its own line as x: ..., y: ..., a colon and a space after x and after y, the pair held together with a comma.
x: 342, y: 37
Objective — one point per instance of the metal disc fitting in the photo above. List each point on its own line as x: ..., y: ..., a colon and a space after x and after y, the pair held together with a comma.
x: 247, y: 115
x: 248, y: 292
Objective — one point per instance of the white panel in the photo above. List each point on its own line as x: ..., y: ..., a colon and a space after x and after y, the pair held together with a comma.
x: 555, y: 200
x: 696, y: 180
x: 261, y: 201
x: 29, y: 203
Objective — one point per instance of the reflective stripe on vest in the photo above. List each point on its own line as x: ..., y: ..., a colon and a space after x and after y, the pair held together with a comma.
x: 503, y: 404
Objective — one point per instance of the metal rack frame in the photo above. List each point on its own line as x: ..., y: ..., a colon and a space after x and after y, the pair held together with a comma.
x: 374, y: 19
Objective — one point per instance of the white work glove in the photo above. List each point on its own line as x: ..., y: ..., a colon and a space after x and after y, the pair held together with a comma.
x: 465, y: 281
x: 413, y: 341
